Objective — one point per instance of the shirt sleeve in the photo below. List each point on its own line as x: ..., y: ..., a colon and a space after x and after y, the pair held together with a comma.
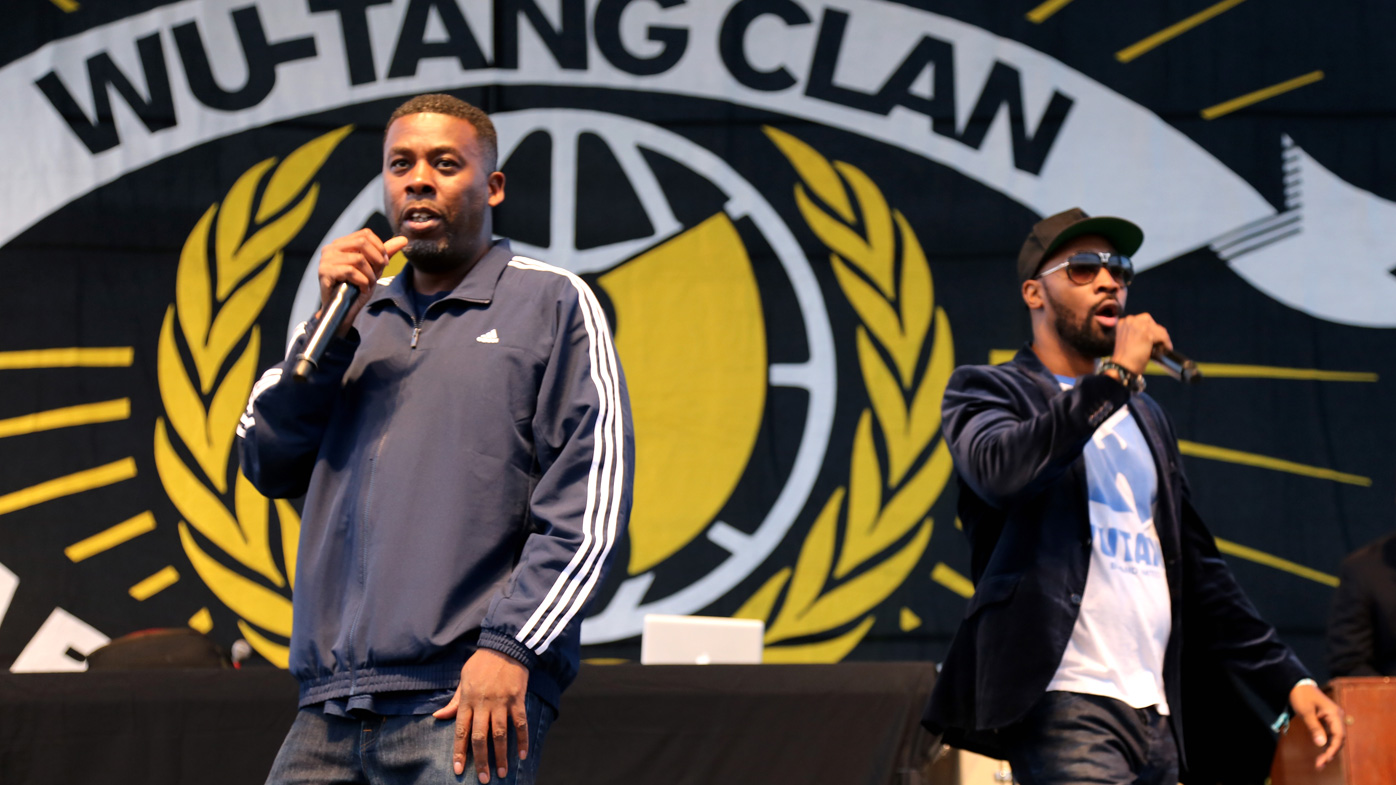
x: 279, y: 434
x: 580, y: 505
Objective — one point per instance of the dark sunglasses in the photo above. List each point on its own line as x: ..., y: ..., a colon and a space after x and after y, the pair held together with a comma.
x: 1082, y: 268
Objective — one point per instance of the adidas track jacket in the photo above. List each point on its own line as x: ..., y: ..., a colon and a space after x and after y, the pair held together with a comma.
x: 466, y: 478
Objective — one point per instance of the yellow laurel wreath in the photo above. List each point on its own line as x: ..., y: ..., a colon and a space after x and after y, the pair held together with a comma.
x: 216, y: 306
x: 878, y: 525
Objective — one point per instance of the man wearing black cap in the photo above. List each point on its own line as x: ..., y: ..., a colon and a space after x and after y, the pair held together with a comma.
x: 1092, y: 570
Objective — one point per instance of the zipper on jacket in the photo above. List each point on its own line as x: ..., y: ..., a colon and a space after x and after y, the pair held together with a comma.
x: 363, y: 563
x: 417, y: 323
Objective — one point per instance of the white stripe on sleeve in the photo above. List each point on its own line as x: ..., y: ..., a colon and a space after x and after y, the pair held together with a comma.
x: 574, y: 584
x: 268, y: 380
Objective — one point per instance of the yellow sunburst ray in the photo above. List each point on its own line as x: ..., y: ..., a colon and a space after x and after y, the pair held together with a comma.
x: 111, y: 537
x: 1174, y: 30
x: 951, y: 579
x: 1227, y: 455
x: 1263, y: 94
x: 1238, y: 370
x: 1241, y: 371
x: 68, y: 357
x: 1269, y: 560
x: 69, y: 484
x: 163, y: 579
x: 1045, y: 11
x: 66, y: 417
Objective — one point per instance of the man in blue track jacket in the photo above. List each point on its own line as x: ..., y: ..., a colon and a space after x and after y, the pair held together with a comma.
x: 1095, y: 579
x: 466, y: 454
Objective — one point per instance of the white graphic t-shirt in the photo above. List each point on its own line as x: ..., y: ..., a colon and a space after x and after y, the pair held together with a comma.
x: 1117, y: 647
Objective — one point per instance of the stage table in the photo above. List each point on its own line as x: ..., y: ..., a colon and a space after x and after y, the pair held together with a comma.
x: 848, y: 723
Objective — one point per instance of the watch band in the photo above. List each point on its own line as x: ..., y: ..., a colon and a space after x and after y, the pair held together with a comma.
x: 1132, y: 381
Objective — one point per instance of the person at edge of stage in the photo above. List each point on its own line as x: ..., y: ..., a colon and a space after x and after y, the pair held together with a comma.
x: 466, y: 452
x: 1091, y: 568
x: 1362, y: 621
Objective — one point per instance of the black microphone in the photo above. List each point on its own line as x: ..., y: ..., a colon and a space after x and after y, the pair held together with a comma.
x: 1177, y: 366
x: 344, y: 296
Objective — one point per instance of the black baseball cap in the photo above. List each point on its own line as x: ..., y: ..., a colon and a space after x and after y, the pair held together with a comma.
x: 1052, y: 232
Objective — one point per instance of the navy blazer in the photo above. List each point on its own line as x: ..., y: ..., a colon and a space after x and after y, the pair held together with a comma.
x: 1016, y: 438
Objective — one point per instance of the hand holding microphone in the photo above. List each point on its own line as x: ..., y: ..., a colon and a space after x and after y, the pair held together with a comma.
x: 1139, y: 339
x: 349, y: 267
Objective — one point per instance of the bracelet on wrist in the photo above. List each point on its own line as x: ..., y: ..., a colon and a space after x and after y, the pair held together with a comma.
x: 1132, y: 381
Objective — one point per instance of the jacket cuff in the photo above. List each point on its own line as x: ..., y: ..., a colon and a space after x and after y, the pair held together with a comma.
x: 1102, y: 396
x: 505, y: 644
x: 1286, y: 679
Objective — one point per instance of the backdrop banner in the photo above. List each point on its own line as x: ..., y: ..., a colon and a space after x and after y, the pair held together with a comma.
x: 800, y: 215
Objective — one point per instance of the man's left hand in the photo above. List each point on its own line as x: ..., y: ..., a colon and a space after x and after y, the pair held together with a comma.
x: 488, y: 702
x: 1323, y: 718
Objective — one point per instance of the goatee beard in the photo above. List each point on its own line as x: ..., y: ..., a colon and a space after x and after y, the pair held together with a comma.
x: 1082, y: 337
x: 433, y: 256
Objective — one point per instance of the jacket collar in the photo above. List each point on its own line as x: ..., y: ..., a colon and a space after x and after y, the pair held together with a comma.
x: 477, y: 286
x: 1026, y: 360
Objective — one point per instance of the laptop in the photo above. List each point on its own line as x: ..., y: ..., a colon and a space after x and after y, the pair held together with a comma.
x: 700, y: 640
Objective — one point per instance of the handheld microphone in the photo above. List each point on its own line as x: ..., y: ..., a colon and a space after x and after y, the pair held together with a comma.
x: 1177, y: 365
x: 344, y: 296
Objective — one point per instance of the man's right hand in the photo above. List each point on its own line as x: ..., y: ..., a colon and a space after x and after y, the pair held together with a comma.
x: 1135, y: 339
x: 356, y: 259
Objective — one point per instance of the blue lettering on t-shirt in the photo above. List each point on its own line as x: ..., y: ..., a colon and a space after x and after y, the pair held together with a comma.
x: 1144, y: 550
x: 1105, y: 538
x: 1121, y: 477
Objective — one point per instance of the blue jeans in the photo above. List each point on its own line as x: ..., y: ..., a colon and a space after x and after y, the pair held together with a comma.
x: 373, y: 749
x: 1073, y: 739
